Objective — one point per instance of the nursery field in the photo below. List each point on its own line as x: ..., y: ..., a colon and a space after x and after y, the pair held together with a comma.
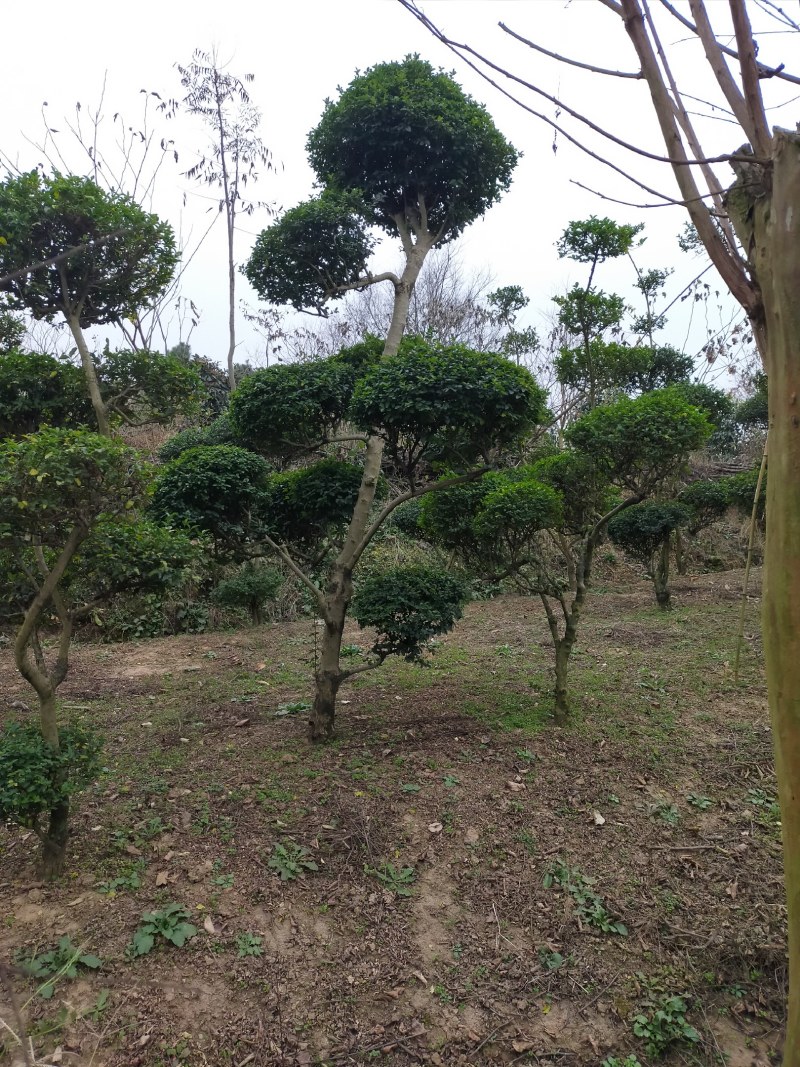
x: 452, y: 881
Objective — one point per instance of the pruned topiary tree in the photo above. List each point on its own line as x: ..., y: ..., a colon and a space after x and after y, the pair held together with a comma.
x: 70, y: 539
x: 403, y: 150
x: 129, y: 257
x: 645, y: 532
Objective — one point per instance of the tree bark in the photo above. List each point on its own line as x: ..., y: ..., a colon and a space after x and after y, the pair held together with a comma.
x: 777, y: 265
x: 90, y: 374
x: 54, y: 842
x: 564, y: 647
x: 660, y: 572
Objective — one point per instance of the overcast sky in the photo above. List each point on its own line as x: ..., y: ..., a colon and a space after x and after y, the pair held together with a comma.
x: 301, y: 51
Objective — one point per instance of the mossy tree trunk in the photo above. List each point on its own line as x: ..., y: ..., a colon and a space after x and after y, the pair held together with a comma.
x: 659, y: 570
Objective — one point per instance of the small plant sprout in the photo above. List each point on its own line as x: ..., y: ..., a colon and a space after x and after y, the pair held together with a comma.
x: 291, y: 861
x: 589, y: 907
x: 248, y: 944
x: 697, y: 800
x: 397, y: 880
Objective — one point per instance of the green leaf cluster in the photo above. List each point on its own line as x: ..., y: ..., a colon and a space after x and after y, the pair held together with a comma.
x: 42, y: 216
x: 62, y: 961
x: 249, y: 588
x: 38, y: 390
x: 35, y: 778
x: 594, y: 240
x: 304, y: 505
x: 148, y: 387
x: 628, y: 368
x: 218, y: 432
x: 404, y: 134
x: 643, y: 528
x: 637, y: 444
x: 170, y: 923
x: 218, y: 490
x: 408, y: 606
x: 705, y: 502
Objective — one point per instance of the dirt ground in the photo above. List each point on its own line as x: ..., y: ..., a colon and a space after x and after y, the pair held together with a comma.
x: 465, y: 883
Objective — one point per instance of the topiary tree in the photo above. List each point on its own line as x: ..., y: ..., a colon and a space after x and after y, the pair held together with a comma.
x: 403, y: 150
x: 430, y: 404
x: 70, y: 541
x: 249, y: 588
x: 216, y: 490
x: 129, y: 257
x: 645, y: 532
x: 540, y: 525
x: 217, y: 432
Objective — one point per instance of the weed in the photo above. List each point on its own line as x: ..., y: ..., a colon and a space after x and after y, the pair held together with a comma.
x: 615, y: 1061
x: 588, y: 905
x: 697, y: 800
x: 248, y: 944
x: 664, y: 1026
x: 292, y: 707
x: 551, y: 961
x: 767, y: 803
x: 668, y: 813
x: 410, y: 787
x: 170, y: 923
x: 130, y: 878
x: 450, y: 781
x: 526, y: 754
x: 528, y: 841
x: 398, y: 880
x: 61, y: 962
x: 290, y: 860
x: 444, y: 996
x: 224, y: 881
x: 350, y: 651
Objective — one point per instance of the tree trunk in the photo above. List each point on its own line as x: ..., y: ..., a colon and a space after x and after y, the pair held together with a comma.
x: 660, y: 573
x: 680, y: 553
x: 777, y: 263
x: 90, y: 374
x: 561, y: 708
x: 231, y: 297
x: 54, y: 842
x: 328, y: 675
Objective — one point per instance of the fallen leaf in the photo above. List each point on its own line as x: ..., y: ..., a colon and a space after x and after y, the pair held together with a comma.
x: 598, y: 819
x: 242, y: 722
x: 161, y: 878
x: 523, y: 1046
x: 435, y: 827
x: 208, y: 925
x: 516, y: 787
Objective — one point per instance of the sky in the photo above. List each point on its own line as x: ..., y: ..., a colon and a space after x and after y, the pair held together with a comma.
x: 300, y: 52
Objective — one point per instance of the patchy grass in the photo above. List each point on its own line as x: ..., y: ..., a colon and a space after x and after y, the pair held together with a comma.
x: 391, y: 897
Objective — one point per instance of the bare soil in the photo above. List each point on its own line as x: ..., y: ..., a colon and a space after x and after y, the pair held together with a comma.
x: 449, y: 783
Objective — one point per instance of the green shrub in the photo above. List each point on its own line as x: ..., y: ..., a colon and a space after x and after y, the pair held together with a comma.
x: 642, y: 529
x: 406, y: 518
x: 305, y: 504
x: 219, y: 432
x: 741, y: 490
x: 705, y: 502
x: 250, y: 588
x: 407, y: 606
x: 34, y: 778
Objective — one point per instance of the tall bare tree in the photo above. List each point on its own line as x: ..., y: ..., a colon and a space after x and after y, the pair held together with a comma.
x: 222, y: 101
x: 751, y: 232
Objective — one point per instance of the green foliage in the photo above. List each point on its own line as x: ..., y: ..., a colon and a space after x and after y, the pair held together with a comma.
x: 637, y: 444
x: 285, y: 408
x: 629, y: 368
x: 753, y: 412
x: 615, y: 1061
x: 248, y: 944
x: 406, y: 518
x: 218, y: 490
x: 643, y: 528
x: 589, y: 907
x: 37, y: 390
x: 705, y: 502
x: 61, y: 962
x: 408, y: 606
x: 446, y: 402
x: 511, y: 513
x: 664, y: 1026
x: 42, y: 216
x: 250, y: 588
x: 171, y: 924
x: 218, y: 432
x: 716, y: 405
x: 35, y: 778
x: 583, y: 486
x: 310, y: 250
x: 12, y: 330
x: 130, y: 879
x: 407, y: 137
x: 148, y: 387
x: 291, y: 860
x: 741, y: 492
x: 56, y: 479
x: 397, y: 880
x: 307, y: 504
x: 583, y: 311
x: 594, y: 240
